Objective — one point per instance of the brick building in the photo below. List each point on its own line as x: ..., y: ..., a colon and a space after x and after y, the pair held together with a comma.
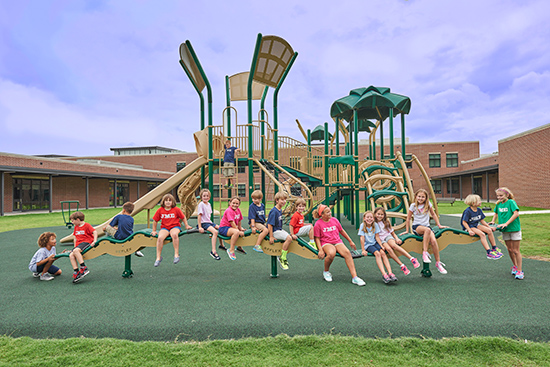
x: 456, y: 169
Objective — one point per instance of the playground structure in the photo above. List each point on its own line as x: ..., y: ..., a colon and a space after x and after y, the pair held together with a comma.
x: 321, y: 175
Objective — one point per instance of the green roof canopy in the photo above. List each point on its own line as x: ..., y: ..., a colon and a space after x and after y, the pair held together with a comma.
x: 319, y: 133
x: 363, y: 125
x: 370, y: 103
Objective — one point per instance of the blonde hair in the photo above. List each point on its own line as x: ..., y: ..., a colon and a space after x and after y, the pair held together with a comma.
x: 257, y: 194
x: 472, y: 199
x: 44, y: 238
x: 384, y: 220
x: 203, y: 191
x: 365, y: 225
x: 300, y: 201
x: 507, y: 191
x: 166, y: 197
x: 280, y: 195
x: 426, y: 203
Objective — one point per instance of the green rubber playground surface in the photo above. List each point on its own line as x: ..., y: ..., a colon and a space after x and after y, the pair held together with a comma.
x: 202, y: 299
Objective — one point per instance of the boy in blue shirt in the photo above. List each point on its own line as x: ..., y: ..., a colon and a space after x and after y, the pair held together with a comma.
x: 275, y: 226
x: 229, y: 161
x: 256, y: 218
x: 125, y: 224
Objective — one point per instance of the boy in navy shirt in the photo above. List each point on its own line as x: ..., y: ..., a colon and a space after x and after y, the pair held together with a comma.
x: 256, y: 218
x: 275, y: 226
x: 125, y: 224
x: 229, y: 161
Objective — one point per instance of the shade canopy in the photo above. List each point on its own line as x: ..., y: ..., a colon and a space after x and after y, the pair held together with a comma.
x: 370, y: 103
x: 362, y: 125
x: 319, y: 133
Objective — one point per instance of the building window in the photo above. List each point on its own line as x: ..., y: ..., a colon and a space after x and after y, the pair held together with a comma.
x: 241, y: 169
x: 435, y: 160
x: 30, y: 194
x: 257, y: 186
x: 255, y: 169
x: 452, y: 186
x: 180, y: 166
x: 151, y: 185
x: 241, y: 192
x: 436, y: 185
x: 216, y: 191
x: 452, y: 159
x: 122, y: 193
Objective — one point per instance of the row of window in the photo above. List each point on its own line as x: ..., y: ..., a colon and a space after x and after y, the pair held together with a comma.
x: 452, y: 188
x: 34, y: 193
x: 435, y: 160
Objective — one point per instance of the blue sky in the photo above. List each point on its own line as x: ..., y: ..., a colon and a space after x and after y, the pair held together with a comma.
x: 79, y: 77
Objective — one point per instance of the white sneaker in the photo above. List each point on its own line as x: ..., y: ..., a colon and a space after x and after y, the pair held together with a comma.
x: 327, y: 275
x: 139, y: 254
x: 46, y: 276
x: 426, y: 257
x: 257, y: 248
x: 440, y: 266
x: 358, y: 281
x: 36, y: 275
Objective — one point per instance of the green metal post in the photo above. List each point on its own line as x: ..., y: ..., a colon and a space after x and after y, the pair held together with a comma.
x: 249, y: 105
x: 392, y: 155
x: 228, y: 104
x: 337, y: 201
x: 263, y: 138
x: 403, y: 135
x: 326, y: 166
x: 202, y: 109
x: 381, y: 140
x: 355, y: 190
x: 127, y: 273
x: 308, y: 160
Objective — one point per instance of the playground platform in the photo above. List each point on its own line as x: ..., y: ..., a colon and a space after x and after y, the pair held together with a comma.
x: 201, y: 299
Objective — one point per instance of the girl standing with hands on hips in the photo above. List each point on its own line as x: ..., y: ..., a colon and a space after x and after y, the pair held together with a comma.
x: 507, y: 212
x: 327, y: 232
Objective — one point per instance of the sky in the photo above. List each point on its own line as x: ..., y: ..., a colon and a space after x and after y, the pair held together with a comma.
x: 80, y: 77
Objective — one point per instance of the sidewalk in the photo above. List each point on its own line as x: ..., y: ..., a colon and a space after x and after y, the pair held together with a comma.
x: 521, y: 213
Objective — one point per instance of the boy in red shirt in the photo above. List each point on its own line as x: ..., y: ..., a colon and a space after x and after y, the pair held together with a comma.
x: 84, y: 236
x: 297, y: 226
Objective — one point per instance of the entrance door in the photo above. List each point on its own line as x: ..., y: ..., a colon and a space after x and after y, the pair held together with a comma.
x: 478, y: 186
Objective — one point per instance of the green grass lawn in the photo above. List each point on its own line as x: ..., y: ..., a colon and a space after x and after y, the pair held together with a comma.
x: 281, y: 350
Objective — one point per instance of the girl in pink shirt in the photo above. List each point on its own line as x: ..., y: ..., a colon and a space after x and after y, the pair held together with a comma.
x: 230, y: 225
x: 327, y: 232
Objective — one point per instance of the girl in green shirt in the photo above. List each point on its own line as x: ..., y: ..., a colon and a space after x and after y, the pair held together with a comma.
x: 507, y: 212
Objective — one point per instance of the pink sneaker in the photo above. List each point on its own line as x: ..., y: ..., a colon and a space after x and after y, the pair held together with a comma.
x: 426, y: 257
x: 405, y: 270
x: 514, y: 270
x: 415, y: 262
x: 440, y: 266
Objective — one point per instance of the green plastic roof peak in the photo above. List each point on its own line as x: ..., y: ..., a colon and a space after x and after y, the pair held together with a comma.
x: 319, y: 133
x: 370, y: 103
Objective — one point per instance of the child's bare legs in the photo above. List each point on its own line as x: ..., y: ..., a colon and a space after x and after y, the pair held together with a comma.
x: 489, y: 232
x: 381, y: 261
x: 425, y: 232
x: 176, y: 241
x: 75, y: 257
x: 234, y: 234
x: 515, y: 254
x: 482, y: 237
x: 399, y: 249
x: 386, y: 246
x: 287, y: 243
x: 160, y: 242
x: 344, y: 251
x: 264, y: 232
x: 214, y: 232
x: 311, y: 234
